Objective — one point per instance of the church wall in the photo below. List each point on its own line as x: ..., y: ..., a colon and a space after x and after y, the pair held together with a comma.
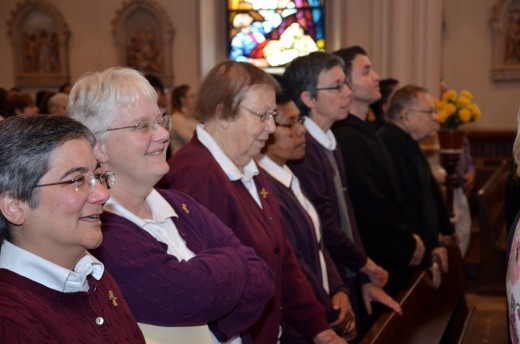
x: 416, y: 41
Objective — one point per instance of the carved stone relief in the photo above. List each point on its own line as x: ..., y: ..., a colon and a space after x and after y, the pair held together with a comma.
x: 144, y: 37
x: 39, y: 40
x: 506, y: 40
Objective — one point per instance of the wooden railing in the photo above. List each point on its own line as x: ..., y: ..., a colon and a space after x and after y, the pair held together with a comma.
x: 429, y: 315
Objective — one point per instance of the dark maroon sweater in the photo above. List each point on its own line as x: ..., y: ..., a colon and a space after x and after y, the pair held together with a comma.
x: 32, y: 313
x: 194, y: 171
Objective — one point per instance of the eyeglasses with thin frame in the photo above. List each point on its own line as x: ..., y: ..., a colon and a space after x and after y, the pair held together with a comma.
x: 293, y: 123
x: 149, y: 126
x: 430, y: 112
x: 339, y: 87
x: 263, y: 116
x: 86, y: 182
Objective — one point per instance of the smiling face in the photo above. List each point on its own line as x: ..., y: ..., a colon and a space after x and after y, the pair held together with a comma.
x: 138, y: 158
x: 66, y: 222
x: 246, y: 134
x: 287, y: 143
x: 364, y: 80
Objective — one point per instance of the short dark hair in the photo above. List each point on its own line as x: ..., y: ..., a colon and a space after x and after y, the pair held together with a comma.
x: 18, y: 101
x: 302, y: 74
x: 282, y: 95
x: 348, y: 55
x: 26, y: 146
x: 155, y: 81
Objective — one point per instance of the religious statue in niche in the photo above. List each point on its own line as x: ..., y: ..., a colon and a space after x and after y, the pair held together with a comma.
x: 144, y: 51
x: 39, y: 40
x: 512, y: 49
x: 40, y: 46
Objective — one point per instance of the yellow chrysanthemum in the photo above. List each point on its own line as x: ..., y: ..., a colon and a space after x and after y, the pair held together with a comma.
x: 466, y: 94
x: 475, y: 111
x: 449, y: 108
x: 449, y: 95
x: 463, y: 101
x: 441, y: 116
x: 464, y: 115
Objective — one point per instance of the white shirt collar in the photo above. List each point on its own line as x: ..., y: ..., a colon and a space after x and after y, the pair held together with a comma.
x: 229, y: 168
x: 161, y: 209
x: 40, y: 270
x: 326, y: 139
x: 281, y: 173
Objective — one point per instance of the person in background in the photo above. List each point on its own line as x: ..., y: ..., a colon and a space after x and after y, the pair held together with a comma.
x: 65, y: 88
x: 18, y: 103
x: 217, y: 167
x: 51, y: 196
x: 183, y: 122
x: 57, y: 104
x: 412, y: 118
x: 379, y: 109
x: 317, y: 85
x: 186, y: 276
x: 376, y: 196
x: 162, y: 92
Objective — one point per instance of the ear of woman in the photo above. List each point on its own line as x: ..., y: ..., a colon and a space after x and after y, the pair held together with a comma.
x: 12, y: 209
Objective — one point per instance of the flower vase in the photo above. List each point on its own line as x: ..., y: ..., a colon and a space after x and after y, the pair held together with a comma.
x: 451, y: 142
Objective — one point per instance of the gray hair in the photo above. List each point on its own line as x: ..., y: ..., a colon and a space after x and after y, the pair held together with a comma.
x: 27, y: 143
x: 55, y: 102
x: 97, y: 96
x: 303, y: 73
x: 403, y: 98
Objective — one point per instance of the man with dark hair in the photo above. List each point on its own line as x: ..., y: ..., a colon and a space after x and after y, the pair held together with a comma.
x: 374, y: 187
x: 162, y: 92
x: 379, y: 108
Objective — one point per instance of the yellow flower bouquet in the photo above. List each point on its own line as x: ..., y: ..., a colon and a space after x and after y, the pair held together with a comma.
x: 456, y: 109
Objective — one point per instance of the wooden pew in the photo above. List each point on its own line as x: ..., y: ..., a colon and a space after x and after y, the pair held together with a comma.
x: 492, y: 226
x: 429, y: 315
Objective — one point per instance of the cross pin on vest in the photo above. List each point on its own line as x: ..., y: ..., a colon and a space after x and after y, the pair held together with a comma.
x: 112, y: 298
x: 264, y: 193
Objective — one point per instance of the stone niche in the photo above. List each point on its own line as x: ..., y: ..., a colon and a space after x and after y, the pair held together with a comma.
x: 143, y: 35
x: 505, y: 23
x: 39, y: 39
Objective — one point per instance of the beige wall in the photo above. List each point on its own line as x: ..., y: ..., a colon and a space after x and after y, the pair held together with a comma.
x: 92, y: 44
x: 416, y: 41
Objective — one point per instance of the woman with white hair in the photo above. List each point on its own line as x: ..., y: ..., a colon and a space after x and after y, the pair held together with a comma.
x: 185, y: 275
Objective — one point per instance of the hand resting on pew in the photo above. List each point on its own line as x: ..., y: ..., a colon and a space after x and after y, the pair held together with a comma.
x: 372, y: 293
x: 419, y: 251
x: 376, y: 274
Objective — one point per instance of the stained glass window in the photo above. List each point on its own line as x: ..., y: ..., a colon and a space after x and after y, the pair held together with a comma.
x: 271, y: 33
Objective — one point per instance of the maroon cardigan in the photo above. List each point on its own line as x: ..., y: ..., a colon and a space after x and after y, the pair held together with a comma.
x: 32, y: 313
x: 226, y: 285
x: 194, y: 170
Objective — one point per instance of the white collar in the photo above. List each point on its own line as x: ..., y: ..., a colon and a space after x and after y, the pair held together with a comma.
x: 281, y: 173
x: 45, y: 272
x: 326, y: 139
x: 161, y: 209
x: 229, y: 168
